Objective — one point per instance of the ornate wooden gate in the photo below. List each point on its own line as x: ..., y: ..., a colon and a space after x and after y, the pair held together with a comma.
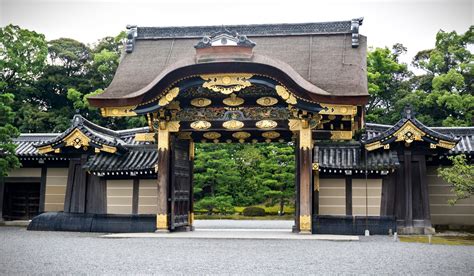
x: 181, y: 181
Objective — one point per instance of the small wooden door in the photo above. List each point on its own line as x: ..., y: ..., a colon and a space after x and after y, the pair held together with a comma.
x: 181, y: 183
x: 21, y: 201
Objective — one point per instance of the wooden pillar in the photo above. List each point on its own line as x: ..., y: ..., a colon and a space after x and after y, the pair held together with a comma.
x: 2, y: 194
x: 42, y: 188
x: 424, y: 192
x: 315, y: 189
x: 348, y: 196
x: 162, y: 216
x: 306, y: 177
x: 408, y: 188
x: 135, y: 195
x: 191, y: 194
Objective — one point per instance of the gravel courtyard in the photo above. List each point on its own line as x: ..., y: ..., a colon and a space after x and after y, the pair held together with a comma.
x: 27, y: 252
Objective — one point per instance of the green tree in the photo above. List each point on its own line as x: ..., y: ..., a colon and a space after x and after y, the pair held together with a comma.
x: 8, y: 159
x: 387, y: 83
x: 219, y: 204
x: 460, y: 175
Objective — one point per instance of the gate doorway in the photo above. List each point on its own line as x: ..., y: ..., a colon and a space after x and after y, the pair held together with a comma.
x: 21, y: 200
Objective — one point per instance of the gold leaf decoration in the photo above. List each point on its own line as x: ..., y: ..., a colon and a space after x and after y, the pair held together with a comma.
x: 285, y: 94
x: 270, y: 134
x: 226, y: 83
x: 266, y: 124
x: 201, y: 102
x: 241, y: 135
x: 200, y: 125
x: 212, y: 135
x: 267, y: 101
x: 233, y: 124
x: 233, y: 100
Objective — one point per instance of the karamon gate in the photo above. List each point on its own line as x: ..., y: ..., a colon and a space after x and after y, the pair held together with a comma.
x: 305, y: 83
x: 223, y: 91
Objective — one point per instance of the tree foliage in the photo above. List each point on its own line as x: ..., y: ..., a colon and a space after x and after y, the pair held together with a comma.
x: 460, y: 175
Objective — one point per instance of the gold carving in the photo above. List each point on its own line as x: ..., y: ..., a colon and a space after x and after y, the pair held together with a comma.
x: 226, y: 83
x: 186, y: 135
x: 446, y: 144
x: 315, y: 166
x: 241, y: 135
x: 233, y: 124
x: 200, y: 125
x: 267, y: 101
x: 270, y: 134
x: 212, y: 135
x: 76, y: 139
x: 306, y: 140
x: 233, y: 100
x: 294, y: 124
x: 162, y: 222
x: 145, y: 137
x: 266, y: 124
x: 305, y: 223
x: 332, y: 109
x: 341, y: 135
x: 201, y: 102
x: 164, y: 133
x: 409, y: 133
x: 373, y: 146
x: 387, y: 146
x: 285, y: 94
x: 124, y: 111
x: 168, y: 97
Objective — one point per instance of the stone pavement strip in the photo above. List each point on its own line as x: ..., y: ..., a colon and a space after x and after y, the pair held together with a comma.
x: 260, y: 234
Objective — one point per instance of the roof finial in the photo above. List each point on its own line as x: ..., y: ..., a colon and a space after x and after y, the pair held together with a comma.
x: 408, y: 112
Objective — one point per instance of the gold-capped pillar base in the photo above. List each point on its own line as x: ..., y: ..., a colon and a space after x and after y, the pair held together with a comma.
x: 305, y: 224
x: 162, y: 223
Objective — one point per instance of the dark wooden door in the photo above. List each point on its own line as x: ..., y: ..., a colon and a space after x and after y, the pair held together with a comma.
x: 181, y: 178
x: 21, y: 201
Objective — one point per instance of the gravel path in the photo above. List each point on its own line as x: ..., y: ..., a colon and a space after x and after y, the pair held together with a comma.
x: 27, y: 252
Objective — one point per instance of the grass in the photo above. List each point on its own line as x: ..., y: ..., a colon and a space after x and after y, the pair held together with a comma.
x: 445, y: 240
x: 240, y: 217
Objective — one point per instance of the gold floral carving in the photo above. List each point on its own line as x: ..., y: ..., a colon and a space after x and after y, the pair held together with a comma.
x: 77, y: 139
x: 162, y: 222
x: 285, y: 94
x: 168, y: 97
x: 212, y: 135
x: 241, y: 135
x: 200, y: 125
x: 270, y: 134
x: 233, y: 124
x: 341, y: 135
x: 226, y: 83
x: 305, y: 223
x: 333, y: 109
x: 145, y: 137
x: 233, y: 100
x: 409, y: 133
x: 267, y: 101
x: 125, y: 111
x: 201, y: 102
x: 266, y: 124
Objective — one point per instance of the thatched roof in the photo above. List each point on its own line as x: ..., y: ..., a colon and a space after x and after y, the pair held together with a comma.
x: 322, y: 54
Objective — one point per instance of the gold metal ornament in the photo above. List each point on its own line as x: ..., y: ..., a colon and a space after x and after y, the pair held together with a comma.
x: 200, y: 125
x: 125, y: 111
x: 168, y: 97
x: 162, y: 221
x: 270, y: 134
x: 241, y: 135
x: 212, y: 135
x: 226, y: 83
x: 333, y: 109
x: 267, y: 101
x: 233, y: 124
x: 285, y: 94
x: 266, y: 124
x: 305, y: 223
x: 201, y: 102
x: 145, y: 137
x: 233, y: 100
x: 409, y: 133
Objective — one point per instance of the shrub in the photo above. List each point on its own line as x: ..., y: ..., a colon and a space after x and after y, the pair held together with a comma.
x: 219, y: 204
x: 254, y: 212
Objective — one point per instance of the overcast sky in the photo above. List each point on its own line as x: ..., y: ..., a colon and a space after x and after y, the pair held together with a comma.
x: 411, y: 22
